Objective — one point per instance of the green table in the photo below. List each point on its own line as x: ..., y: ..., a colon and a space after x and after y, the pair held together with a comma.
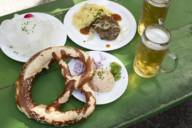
x: 143, y: 98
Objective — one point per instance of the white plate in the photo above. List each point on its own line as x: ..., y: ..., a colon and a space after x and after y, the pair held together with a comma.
x: 127, y: 24
x: 49, y: 32
x: 120, y: 85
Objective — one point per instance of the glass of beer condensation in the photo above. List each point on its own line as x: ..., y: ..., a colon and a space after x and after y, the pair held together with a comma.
x: 154, y: 12
x: 152, y: 50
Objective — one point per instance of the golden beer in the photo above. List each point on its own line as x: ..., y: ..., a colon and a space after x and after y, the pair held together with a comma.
x: 151, y: 51
x: 154, y: 12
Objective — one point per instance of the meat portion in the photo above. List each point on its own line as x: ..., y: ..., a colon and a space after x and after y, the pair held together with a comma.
x: 107, y: 27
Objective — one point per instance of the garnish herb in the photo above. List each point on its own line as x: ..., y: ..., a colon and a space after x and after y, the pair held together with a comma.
x: 100, y: 74
x: 25, y: 27
x: 115, y: 70
x: 99, y: 13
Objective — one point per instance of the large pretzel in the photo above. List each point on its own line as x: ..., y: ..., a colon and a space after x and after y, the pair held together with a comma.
x: 50, y: 113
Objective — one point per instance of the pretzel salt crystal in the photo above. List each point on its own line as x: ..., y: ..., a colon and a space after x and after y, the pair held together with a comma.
x: 50, y: 113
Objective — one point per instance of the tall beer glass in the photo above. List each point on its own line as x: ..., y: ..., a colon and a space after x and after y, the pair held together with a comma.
x: 154, y: 12
x: 152, y: 51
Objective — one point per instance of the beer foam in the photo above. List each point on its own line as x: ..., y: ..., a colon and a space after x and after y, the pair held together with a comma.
x: 159, y: 3
x: 157, y: 39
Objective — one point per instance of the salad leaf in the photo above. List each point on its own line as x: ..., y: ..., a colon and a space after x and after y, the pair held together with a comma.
x: 115, y: 70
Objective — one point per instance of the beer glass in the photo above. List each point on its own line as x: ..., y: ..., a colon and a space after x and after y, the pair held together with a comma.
x: 152, y: 51
x: 154, y: 12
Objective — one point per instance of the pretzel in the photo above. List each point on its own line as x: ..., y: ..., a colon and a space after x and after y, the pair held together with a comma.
x: 51, y: 113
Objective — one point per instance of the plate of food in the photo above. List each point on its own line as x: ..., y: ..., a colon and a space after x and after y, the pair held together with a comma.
x: 110, y: 79
x: 100, y: 25
x: 98, y: 77
x: 26, y: 34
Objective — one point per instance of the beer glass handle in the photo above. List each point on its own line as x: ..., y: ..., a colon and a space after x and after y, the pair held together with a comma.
x: 173, y: 57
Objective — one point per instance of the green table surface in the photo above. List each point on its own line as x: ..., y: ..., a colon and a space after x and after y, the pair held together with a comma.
x: 143, y: 98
